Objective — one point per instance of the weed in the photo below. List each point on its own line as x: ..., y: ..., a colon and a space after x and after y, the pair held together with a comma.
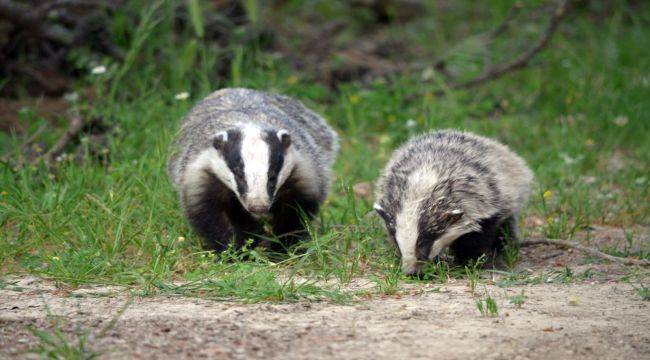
x: 487, y: 306
x: 436, y: 270
x: 473, y: 272
x: 388, y: 283
x: 55, y: 344
x: 510, y: 253
x: 518, y: 300
x: 643, y: 291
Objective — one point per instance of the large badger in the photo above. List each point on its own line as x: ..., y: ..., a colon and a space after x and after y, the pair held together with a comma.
x: 451, y: 189
x: 242, y: 154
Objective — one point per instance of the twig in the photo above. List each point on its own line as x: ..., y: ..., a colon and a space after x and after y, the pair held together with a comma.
x: 589, y: 250
x: 76, y: 125
x: 505, y: 23
x: 494, y: 73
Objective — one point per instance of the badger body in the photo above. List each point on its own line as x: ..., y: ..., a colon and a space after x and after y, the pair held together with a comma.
x: 242, y: 154
x: 451, y: 189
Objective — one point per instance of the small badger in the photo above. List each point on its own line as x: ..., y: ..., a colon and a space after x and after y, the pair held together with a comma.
x: 451, y: 189
x: 242, y: 154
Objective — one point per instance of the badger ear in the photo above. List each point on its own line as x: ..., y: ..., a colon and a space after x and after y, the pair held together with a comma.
x: 220, y: 139
x: 454, y: 215
x: 285, y: 138
x: 381, y: 212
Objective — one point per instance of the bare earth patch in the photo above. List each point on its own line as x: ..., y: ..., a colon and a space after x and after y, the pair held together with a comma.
x: 581, y: 321
x: 599, y: 316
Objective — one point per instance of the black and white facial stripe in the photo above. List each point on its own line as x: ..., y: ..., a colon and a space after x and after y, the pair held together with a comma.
x: 447, y: 185
x: 255, y: 163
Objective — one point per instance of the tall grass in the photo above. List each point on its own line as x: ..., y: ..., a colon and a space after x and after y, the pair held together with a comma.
x: 578, y: 116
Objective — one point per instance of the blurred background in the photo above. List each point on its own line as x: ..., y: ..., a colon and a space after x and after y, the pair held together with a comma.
x: 91, y: 93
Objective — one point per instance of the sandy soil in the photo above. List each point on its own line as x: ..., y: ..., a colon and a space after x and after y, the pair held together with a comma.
x: 601, y: 317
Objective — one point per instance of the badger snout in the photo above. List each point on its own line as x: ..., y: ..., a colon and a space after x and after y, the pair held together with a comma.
x: 257, y: 206
x: 410, y: 267
x: 258, y: 209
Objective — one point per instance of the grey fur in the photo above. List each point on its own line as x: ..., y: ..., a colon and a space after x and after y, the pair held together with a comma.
x: 451, y: 183
x: 227, y: 108
x: 314, y: 142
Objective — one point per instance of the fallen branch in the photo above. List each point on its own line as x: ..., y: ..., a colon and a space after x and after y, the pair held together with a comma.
x: 589, y: 250
x: 505, y: 23
x: 76, y: 125
x: 494, y: 73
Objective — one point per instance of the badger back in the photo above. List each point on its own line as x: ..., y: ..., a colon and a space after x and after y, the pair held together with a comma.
x: 315, y: 142
x: 484, y: 173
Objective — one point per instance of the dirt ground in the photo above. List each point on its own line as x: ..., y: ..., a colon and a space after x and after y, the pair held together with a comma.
x: 599, y: 317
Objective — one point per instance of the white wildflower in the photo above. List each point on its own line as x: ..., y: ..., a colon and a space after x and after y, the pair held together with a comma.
x: 569, y: 160
x: 98, y: 70
x: 182, y: 96
x: 410, y: 124
x: 428, y: 74
x: 621, y: 120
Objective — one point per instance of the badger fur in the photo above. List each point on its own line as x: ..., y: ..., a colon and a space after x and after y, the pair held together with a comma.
x: 242, y: 154
x: 451, y: 189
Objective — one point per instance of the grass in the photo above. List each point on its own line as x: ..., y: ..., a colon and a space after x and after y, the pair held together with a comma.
x: 578, y: 115
x: 487, y: 306
x: 547, y: 276
x: 518, y: 300
x: 643, y: 292
x: 56, y: 343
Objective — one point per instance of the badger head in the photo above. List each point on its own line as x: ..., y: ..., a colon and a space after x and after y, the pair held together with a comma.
x: 427, y: 220
x: 253, y: 162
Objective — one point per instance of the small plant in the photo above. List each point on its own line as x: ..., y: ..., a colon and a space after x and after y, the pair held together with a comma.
x: 487, y: 306
x: 518, y: 300
x: 54, y: 344
x: 473, y: 273
x: 643, y: 291
x: 388, y: 283
x: 492, y: 307
x: 510, y: 253
x: 436, y: 270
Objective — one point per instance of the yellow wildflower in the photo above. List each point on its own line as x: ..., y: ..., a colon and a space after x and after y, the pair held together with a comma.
x: 293, y: 79
x: 548, y: 194
x: 354, y: 98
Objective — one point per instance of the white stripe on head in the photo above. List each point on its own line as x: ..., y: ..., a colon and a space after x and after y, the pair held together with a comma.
x: 420, y: 184
x: 290, y: 160
x: 255, y: 155
x: 446, y: 239
x: 212, y: 160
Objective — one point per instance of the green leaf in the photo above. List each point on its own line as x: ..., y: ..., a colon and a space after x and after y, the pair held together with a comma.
x: 196, y: 17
